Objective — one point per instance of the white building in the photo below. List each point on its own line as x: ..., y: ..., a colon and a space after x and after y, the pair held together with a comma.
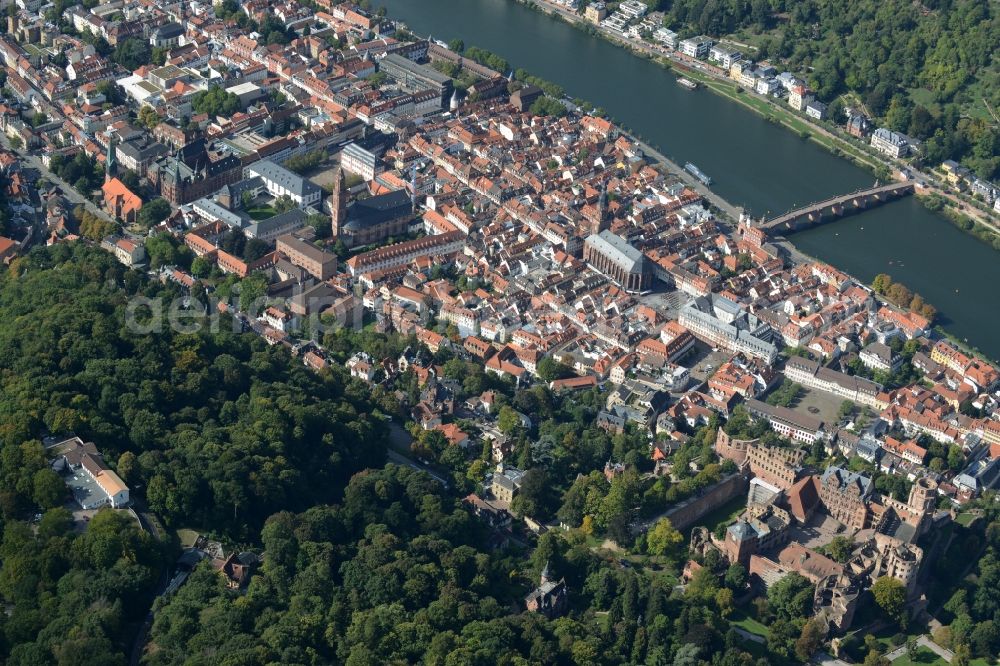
x: 722, y: 322
x: 633, y: 8
x: 355, y: 159
x: 878, y: 356
x: 280, y: 181
x: 126, y: 251
x: 890, y: 143
x: 82, y: 467
x: 725, y: 56
x: 696, y: 47
x: 666, y: 37
x: 816, y: 109
x: 766, y: 86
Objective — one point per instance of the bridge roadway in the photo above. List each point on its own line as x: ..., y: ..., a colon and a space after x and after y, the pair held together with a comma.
x: 838, y: 206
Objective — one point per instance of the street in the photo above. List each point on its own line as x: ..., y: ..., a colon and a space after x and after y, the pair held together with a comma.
x: 34, y: 162
x: 399, y: 453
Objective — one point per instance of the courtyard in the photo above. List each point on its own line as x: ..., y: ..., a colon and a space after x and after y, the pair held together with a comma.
x: 818, y: 532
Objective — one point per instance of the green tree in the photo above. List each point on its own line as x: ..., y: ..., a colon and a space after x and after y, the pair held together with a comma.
x: 132, y: 53
x: 664, y: 540
x: 813, y: 633
x: 890, y: 595
x: 148, y: 117
x: 840, y: 548
x: 550, y: 369
x: 791, y: 597
x: 49, y: 489
x: 216, y: 102
x: 508, y: 420
x: 736, y: 576
x: 153, y: 212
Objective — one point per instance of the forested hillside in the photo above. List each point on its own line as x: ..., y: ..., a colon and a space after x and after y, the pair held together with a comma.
x: 923, y: 68
x: 396, y: 574
x: 220, y: 428
x: 217, y: 430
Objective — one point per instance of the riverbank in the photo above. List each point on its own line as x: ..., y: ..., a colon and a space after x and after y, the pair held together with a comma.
x: 983, y: 221
x: 725, y: 87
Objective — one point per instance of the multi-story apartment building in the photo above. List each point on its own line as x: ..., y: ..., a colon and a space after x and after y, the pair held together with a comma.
x: 696, y: 47
x: 890, y: 143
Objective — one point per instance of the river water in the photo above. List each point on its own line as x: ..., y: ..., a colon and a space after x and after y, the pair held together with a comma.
x: 755, y: 164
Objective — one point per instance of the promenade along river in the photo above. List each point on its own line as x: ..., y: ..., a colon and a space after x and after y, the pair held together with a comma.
x: 755, y: 164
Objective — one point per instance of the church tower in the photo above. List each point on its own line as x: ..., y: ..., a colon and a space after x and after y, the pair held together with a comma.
x: 600, y: 221
x: 338, y: 202
x: 110, y: 164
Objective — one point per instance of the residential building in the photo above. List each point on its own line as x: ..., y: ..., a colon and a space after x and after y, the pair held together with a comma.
x: 816, y: 109
x: 506, y: 483
x: 696, y: 47
x: 890, y: 143
x: 550, y: 598
x: 595, y: 12
x: 724, y: 56
x: 857, y: 126
x: 799, y: 97
x: 128, y: 252
x: 666, y: 37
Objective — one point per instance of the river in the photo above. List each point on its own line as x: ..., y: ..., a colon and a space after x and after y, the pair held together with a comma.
x: 754, y: 163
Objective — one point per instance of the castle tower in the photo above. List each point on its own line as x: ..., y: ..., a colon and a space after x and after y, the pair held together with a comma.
x: 338, y: 202
x: 923, y: 496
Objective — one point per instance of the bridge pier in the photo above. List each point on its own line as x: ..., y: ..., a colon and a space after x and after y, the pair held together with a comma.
x: 838, y: 207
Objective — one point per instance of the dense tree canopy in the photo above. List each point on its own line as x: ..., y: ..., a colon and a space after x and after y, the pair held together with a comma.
x: 224, y: 428
x: 921, y: 68
x: 216, y: 102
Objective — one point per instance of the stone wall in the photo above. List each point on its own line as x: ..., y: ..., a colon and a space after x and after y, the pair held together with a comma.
x: 688, y: 512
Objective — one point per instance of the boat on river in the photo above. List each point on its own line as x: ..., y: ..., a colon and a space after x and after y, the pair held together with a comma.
x: 687, y: 83
x: 697, y: 173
